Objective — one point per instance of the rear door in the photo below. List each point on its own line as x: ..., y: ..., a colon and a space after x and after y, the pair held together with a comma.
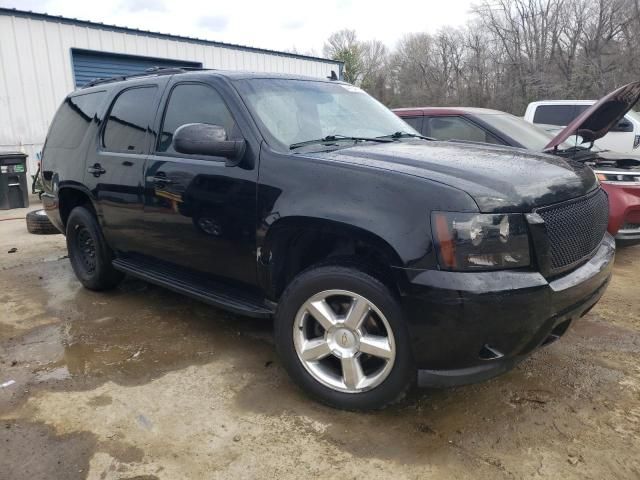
x: 115, y: 169
x: 200, y: 214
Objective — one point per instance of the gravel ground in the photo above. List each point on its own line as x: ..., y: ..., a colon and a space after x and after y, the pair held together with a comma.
x: 143, y: 383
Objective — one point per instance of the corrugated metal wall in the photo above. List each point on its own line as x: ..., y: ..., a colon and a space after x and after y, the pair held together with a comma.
x: 36, y: 68
x: 89, y: 65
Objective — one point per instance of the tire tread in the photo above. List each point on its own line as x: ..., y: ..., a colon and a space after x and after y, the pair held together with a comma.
x: 39, y: 224
x: 106, y: 277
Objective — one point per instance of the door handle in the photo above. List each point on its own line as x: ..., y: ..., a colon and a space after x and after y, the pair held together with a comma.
x: 162, y: 180
x: 96, y: 170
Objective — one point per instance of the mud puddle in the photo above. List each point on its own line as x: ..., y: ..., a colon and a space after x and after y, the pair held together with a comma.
x: 144, y: 383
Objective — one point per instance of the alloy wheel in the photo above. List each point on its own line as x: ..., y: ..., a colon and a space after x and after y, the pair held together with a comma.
x: 344, y: 341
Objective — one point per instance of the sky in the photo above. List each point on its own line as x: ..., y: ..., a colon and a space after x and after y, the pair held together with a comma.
x: 273, y: 24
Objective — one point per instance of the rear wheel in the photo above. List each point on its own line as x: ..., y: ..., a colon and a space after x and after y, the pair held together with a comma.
x: 341, y: 335
x: 89, y: 253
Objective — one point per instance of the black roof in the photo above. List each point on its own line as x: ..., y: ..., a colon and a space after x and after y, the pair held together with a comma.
x: 116, y: 28
x: 231, y: 74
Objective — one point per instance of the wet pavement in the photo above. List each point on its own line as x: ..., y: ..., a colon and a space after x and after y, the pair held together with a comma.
x: 144, y: 383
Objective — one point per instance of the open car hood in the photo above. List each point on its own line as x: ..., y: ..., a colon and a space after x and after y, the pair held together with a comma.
x: 596, y: 121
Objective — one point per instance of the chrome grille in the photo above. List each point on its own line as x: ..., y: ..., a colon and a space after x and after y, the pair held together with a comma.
x: 575, y: 228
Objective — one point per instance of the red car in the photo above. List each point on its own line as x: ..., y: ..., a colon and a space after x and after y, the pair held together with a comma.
x: 619, y: 173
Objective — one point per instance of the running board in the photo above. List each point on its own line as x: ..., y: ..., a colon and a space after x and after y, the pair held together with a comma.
x: 208, y: 291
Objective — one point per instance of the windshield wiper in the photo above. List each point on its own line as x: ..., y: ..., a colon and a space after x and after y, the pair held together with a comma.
x: 336, y: 137
x: 397, y: 135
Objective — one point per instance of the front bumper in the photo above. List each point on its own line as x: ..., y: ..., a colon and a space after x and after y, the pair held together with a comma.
x: 624, y: 210
x: 470, y: 326
x: 628, y: 234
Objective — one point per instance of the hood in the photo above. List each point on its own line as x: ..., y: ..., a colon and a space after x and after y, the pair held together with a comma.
x: 596, y: 121
x: 499, y: 179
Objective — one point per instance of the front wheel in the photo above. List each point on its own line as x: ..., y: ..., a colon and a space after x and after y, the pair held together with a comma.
x: 342, y: 338
x: 88, y: 251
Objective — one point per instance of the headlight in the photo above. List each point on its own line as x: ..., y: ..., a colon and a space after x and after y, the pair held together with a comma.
x: 471, y: 241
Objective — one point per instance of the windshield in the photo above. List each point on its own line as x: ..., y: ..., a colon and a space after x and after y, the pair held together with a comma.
x: 293, y: 111
x: 528, y: 135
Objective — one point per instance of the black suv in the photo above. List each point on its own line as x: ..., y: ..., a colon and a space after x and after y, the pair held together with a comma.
x: 385, y: 257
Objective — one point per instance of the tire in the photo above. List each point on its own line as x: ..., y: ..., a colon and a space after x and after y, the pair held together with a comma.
x: 89, y: 253
x: 39, y: 224
x: 385, y: 380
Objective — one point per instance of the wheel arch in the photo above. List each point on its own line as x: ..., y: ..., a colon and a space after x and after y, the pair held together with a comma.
x: 295, y: 243
x: 71, y: 196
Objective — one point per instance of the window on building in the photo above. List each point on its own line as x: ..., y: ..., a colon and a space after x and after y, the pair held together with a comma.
x: 457, y: 128
x: 72, y: 119
x: 129, y: 120
x: 194, y: 103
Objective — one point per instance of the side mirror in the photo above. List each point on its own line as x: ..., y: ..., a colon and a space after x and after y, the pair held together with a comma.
x: 623, y: 125
x: 210, y: 140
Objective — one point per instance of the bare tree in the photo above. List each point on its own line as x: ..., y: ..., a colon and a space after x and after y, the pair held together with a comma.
x: 480, y: 67
x: 345, y: 47
x: 374, y: 69
x: 528, y: 32
x: 511, y: 52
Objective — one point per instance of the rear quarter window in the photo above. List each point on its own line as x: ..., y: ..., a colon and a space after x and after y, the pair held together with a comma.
x: 73, y: 118
x: 559, y: 115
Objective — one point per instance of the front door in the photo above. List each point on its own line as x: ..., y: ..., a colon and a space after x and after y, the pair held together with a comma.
x: 200, y: 214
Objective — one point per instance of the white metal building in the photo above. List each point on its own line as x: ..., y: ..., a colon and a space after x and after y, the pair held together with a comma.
x: 44, y: 57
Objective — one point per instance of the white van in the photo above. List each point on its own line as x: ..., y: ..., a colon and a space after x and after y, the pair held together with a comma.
x: 552, y: 114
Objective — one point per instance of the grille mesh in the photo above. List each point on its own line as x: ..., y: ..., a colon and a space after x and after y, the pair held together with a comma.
x: 575, y: 228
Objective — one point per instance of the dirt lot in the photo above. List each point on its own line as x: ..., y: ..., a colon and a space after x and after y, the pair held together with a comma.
x: 143, y: 383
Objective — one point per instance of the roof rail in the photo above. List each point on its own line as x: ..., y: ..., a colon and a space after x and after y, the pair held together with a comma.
x: 148, y: 72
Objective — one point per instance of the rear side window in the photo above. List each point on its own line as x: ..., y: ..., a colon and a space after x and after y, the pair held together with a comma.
x: 129, y: 120
x: 560, y: 115
x: 194, y: 103
x: 73, y: 118
x: 457, y: 128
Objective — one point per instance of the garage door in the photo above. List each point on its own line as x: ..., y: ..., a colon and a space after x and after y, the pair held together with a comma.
x: 89, y: 65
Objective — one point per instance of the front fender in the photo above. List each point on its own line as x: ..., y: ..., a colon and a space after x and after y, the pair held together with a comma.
x: 390, y: 206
